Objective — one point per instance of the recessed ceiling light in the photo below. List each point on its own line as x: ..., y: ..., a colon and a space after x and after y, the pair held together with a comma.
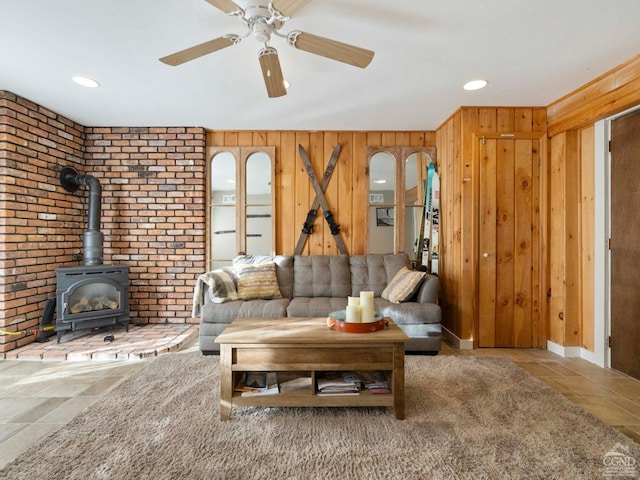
x: 380, y: 181
x: 286, y: 85
x: 475, y: 84
x: 230, y: 180
x: 86, y: 82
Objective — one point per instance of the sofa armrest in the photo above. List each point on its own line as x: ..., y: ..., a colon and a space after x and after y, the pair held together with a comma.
x: 428, y: 291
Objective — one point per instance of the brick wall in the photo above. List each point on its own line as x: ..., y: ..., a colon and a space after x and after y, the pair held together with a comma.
x: 153, y: 205
x: 153, y: 183
x: 40, y: 224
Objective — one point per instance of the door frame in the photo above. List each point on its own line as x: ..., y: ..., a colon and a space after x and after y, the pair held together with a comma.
x: 541, y: 324
x: 602, y: 259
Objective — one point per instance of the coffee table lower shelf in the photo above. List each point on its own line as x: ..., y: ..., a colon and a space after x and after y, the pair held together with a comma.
x: 306, y: 347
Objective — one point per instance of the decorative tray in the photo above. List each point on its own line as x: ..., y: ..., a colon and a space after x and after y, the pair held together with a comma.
x: 336, y: 321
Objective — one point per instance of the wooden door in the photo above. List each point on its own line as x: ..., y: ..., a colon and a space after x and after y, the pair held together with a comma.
x: 507, y: 241
x: 625, y: 244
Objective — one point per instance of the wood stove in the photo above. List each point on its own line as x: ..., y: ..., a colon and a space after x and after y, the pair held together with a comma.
x: 91, y: 295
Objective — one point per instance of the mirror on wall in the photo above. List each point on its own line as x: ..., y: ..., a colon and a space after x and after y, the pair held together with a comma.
x: 382, y: 202
x: 222, y: 218
x: 415, y: 173
x: 258, y: 204
x: 397, y: 186
x: 240, y: 203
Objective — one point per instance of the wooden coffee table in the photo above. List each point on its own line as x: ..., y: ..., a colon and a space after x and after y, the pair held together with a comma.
x: 304, y: 347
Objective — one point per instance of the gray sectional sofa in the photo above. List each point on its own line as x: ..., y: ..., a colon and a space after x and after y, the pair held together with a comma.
x: 315, y: 285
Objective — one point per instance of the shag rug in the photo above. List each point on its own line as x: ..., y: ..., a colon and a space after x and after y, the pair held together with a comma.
x: 467, y: 418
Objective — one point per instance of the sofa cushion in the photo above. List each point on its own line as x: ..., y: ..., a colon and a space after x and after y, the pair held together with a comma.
x: 225, y: 313
x: 374, y: 272
x: 257, y: 281
x: 284, y: 269
x: 321, y: 276
x: 404, y: 285
x: 315, y: 306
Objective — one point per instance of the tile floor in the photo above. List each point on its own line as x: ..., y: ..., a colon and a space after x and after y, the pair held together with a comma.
x: 37, y: 397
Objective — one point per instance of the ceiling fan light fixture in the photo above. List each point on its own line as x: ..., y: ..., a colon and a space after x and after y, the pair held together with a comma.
x: 86, y: 81
x: 475, y: 84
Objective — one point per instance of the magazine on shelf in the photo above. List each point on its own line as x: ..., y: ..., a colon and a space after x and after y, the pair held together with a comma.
x: 257, y: 383
x: 339, y: 383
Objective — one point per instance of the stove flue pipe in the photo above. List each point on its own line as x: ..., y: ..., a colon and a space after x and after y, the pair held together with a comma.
x: 92, y: 239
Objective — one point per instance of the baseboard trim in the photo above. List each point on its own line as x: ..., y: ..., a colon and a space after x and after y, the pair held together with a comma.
x: 572, y: 352
x: 456, y: 341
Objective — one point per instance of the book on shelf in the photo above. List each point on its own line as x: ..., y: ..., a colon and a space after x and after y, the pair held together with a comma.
x: 257, y: 383
x: 375, y: 381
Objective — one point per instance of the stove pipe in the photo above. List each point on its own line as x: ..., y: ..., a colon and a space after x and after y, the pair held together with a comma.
x: 92, y: 239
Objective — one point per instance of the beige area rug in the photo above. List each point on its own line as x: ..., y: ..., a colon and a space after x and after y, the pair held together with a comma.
x: 467, y: 418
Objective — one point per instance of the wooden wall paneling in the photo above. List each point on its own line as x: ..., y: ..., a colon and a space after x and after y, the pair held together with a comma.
x: 466, y: 145
x: 418, y: 139
x: 487, y: 244
x: 587, y: 234
x: 572, y: 285
x: 341, y: 216
x: 360, y: 174
x: 259, y: 139
x: 538, y: 331
x: 557, y: 251
x: 487, y: 118
x: 343, y: 178
x: 245, y: 139
x: 374, y: 139
x: 302, y: 190
x: 504, y: 242
x: 523, y: 119
x: 287, y: 224
x: 388, y: 139
x: 321, y: 233
x: 522, y: 316
x: 402, y: 139
x: 505, y: 120
x: 453, y: 184
x: 231, y: 139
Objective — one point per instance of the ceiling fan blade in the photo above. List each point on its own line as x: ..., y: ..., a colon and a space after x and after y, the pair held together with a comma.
x: 227, y: 6
x: 288, y: 7
x: 272, y: 73
x: 341, y: 52
x: 198, y: 51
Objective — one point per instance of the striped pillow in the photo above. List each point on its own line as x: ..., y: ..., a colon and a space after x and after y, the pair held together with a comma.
x: 257, y: 281
x: 404, y: 284
x: 222, y: 285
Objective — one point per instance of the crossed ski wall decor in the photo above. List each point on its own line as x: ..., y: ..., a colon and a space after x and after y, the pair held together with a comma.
x: 320, y: 201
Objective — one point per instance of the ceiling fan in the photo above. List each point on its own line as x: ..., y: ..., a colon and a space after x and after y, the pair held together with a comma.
x: 264, y: 18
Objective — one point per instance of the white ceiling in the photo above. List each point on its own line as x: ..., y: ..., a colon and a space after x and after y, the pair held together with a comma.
x: 531, y: 51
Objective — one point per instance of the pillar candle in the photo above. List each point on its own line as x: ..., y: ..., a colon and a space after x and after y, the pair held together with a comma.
x: 366, y: 303
x: 353, y: 300
x: 353, y: 314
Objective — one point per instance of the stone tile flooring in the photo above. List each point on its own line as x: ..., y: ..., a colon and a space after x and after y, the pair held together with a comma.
x: 140, y: 341
x: 38, y: 397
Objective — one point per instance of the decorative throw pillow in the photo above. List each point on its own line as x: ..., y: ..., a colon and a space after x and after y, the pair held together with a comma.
x: 222, y: 285
x: 257, y: 281
x: 404, y: 285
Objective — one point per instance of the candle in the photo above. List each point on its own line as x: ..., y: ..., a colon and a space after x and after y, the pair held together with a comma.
x: 353, y: 300
x: 353, y: 314
x: 366, y: 303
